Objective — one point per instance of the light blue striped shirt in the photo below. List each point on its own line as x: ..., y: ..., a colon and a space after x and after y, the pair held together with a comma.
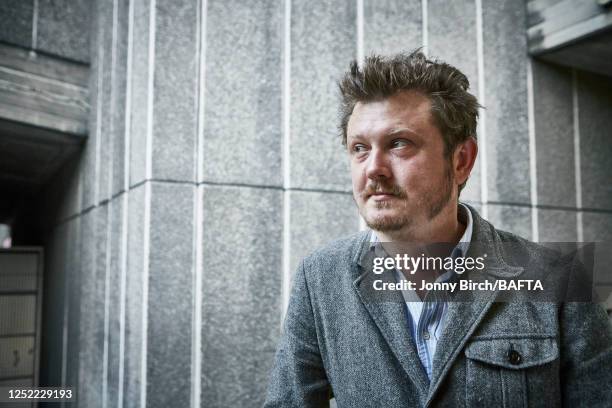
x: 426, y: 320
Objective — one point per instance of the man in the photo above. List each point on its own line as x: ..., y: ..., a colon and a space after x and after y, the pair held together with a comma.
x: 409, y: 127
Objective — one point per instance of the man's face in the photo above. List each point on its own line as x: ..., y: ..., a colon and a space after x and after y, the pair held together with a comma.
x: 401, y: 177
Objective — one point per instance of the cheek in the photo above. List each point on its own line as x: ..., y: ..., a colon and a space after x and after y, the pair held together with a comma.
x: 358, y: 177
x: 419, y: 171
x: 411, y: 174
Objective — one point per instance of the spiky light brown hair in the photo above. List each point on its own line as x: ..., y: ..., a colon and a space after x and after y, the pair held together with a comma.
x: 453, y: 108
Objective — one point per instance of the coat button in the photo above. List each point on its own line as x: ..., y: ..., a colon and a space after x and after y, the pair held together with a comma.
x: 514, y: 357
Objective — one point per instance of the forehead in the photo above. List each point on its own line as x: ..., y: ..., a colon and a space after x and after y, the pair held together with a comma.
x: 409, y: 109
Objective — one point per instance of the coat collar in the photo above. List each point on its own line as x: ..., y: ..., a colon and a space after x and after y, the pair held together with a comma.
x: 465, y: 312
x: 388, y: 311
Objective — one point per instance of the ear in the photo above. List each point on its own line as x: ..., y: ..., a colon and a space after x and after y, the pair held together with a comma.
x: 464, y: 157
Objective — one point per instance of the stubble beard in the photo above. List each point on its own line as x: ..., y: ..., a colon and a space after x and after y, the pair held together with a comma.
x: 432, y: 202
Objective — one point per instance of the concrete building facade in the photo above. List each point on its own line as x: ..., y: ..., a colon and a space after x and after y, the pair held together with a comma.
x: 210, y: 163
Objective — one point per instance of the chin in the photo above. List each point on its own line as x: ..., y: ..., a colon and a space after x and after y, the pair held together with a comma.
x: 386, y: 223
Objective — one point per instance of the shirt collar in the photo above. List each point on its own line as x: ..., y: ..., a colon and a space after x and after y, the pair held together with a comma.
x: 465, y: 216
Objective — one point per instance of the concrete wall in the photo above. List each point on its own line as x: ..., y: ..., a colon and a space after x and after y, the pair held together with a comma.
x: 57, y: 27
x: 213, y: 165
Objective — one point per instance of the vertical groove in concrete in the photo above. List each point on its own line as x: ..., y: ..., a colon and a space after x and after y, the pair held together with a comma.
x: 65, y: 321
x: 482, y: 128
x: 150, y: 92
x: 360, y: 59
x: 133, y: 298
x: 107, y: 281
x: 125, y: 208
x: 425, y: 22
x: 35, y: 25
x: 113, y: 101
x: 533, y: 180
x: 286, y: 283
x: 145, y: 294
x: 196, y: 346
x: 128, y: 100
x: 577, y: 165
x: 201, y: 89
x: 98, y: 95
x: 122, y: 294
x: 360, y: 28
x: 107, y: 91
x: 147, y: 203
x: 111, y: 142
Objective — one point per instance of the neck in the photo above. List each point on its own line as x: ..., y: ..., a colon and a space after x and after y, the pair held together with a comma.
x: 444, y: 227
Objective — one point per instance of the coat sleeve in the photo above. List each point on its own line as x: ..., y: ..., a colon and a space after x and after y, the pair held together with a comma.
x: 586, y: 355
x: 298, y: 378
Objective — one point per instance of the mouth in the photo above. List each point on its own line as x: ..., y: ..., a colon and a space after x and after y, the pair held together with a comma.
x: 381, y: 196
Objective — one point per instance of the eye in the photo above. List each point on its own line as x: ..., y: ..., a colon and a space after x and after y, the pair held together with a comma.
x: 358, y: 148
x: 399, y: 143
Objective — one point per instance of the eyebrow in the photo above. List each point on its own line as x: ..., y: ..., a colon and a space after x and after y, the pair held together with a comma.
x: 402, y: 130
x: 392, y: 132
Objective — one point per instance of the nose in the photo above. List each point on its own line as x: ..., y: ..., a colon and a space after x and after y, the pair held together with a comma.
x: 378, y: 166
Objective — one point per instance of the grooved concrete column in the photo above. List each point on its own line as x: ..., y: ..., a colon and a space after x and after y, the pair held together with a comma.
x: 323, y: 40
x: 507, y: 132
x: 138, y: 207
x: 554, y: 129
x: 458, y: 45
x: 242, y: 120
x: 239, y: 202
x: 162, y: 104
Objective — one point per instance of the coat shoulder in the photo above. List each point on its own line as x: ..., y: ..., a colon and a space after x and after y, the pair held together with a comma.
x: 528, y: 249
x: 339, y: 254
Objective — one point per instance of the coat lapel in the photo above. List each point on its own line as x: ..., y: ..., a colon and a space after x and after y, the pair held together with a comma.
x: 467, y: 309
x: 388, y: 311
x: 465, y: 312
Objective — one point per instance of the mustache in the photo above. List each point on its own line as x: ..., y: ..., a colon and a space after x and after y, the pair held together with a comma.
x: 378, y: 187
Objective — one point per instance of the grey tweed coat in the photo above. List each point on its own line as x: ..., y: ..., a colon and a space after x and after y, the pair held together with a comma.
x: 337, y: 340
